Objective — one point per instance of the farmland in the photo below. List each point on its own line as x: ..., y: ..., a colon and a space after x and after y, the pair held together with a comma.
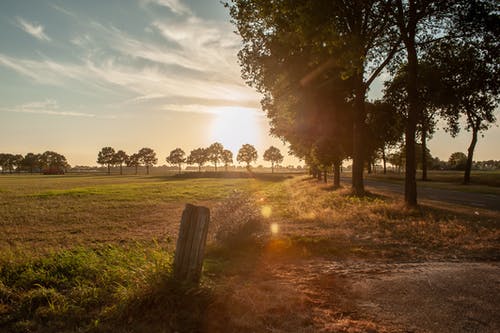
x: 94, y: 253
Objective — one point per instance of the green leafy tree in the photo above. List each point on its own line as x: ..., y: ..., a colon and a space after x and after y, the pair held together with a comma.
x: 457, y: 161
x: 31, y: 161
x: 291, y: 48
x: 106, y: 157
x: 198, y: 156
x: 215, y: 152
x: 14, y: 162
x: 148, y: 158
x: 247, y: 154
x: 134, y: 161
x: 119, y: 158
x: 53, y: 163
x: 472, y: 80
x: 430, y: 91
x: 177, y: 157
x: 227, y: 158
x: 273, y: 155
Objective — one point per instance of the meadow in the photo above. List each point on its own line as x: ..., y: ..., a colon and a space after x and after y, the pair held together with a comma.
x: 94, y: 253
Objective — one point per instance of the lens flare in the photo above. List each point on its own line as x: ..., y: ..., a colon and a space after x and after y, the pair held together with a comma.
x: 274, y: 228
x: 266, y: 211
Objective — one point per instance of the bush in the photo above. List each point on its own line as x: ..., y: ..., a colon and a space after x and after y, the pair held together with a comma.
x: 236, y: 220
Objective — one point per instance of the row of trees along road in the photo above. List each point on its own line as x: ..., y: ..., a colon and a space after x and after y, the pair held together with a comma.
x: 48, y: 162
x: 215, y: 154
x: 314, y: 62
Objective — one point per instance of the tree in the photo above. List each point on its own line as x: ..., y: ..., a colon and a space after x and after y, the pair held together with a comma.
x: 198, y: 156
x: 134, y: 161
x: 227, y: 158
x: 4, y: 158
x: 31, y: 161
x: 430, y: 98
x: 247, y: 154
x: 53, y: 163
x: 384, y: 129
x: 106, y: 157
x: 119, y: 158
x: 177, y: 157
x: 273, y: 155
x: 215, y: 152
x: 457, y: 161
x: 472, y: 80
x: 148, y: 158
x: 12, y: 162
x: 304, y: 45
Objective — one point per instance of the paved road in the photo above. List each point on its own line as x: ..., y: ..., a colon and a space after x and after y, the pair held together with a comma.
x: 472, y: 199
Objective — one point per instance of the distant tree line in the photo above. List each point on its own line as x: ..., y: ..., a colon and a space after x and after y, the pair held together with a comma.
x: 48, y: 162
x: 215, y: 154
x: 456, y: 161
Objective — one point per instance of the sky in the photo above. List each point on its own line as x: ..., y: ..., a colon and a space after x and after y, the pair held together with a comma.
x: 77, y: 76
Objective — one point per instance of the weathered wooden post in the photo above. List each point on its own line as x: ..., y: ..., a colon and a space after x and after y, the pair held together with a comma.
x: 190, y: 247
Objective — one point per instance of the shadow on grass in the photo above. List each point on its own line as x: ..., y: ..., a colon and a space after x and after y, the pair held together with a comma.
x: 276, y: 177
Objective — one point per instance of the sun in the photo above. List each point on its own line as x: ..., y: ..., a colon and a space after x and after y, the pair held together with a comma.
x: 235, y: 126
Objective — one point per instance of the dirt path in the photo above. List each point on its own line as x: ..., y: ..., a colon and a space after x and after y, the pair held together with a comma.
x: 423, y: 297
x: 332, y: 296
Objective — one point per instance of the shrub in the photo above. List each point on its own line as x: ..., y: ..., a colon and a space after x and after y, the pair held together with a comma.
x: 236, y: 220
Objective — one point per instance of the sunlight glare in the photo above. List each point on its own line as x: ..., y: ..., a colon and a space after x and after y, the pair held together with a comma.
x: 274, y: 228
x: 235, y: 126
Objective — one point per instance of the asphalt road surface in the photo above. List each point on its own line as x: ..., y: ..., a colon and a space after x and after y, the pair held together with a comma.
x: 472, y: 199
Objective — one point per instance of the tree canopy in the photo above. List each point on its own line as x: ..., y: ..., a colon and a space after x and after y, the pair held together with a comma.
x: 147, y: 156
x: 177, y: 157
x: 273, y: 155
x: 106, y: 157
x: 247, y: 154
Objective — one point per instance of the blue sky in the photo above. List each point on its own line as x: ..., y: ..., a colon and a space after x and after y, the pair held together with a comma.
x: 80, y: 75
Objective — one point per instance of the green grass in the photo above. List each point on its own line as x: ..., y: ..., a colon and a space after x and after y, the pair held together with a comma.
x: 82, y: 253
x: 94, y: 254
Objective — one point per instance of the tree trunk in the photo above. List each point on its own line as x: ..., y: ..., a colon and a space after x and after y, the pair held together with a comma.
x: 369, y: 166
x: 147, y: 169
x: 358, y: 187
x: 470, y: 153
x: 384, y: 160
x: 336, y: 173
x: 215, y: 166
x: 121, y: 169
x: 199, y: 167
x: 411, y: 126
x: 424, y: 152
x: 325, y: 176
x: 136, y: 167
x: 179, y: 168
x: 109, y: 169
x: 272, y: 167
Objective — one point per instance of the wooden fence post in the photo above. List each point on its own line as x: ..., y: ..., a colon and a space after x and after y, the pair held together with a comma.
x: 190, y: 247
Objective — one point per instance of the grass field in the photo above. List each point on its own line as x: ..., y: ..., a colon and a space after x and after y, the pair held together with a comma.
x: 93, y: 253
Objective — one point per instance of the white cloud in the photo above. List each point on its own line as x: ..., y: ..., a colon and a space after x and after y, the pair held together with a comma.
x: 63, y: 10
x: 200, y: 67
x: 48, y: 107
x: 35, y: 30
x: 176, y: 6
